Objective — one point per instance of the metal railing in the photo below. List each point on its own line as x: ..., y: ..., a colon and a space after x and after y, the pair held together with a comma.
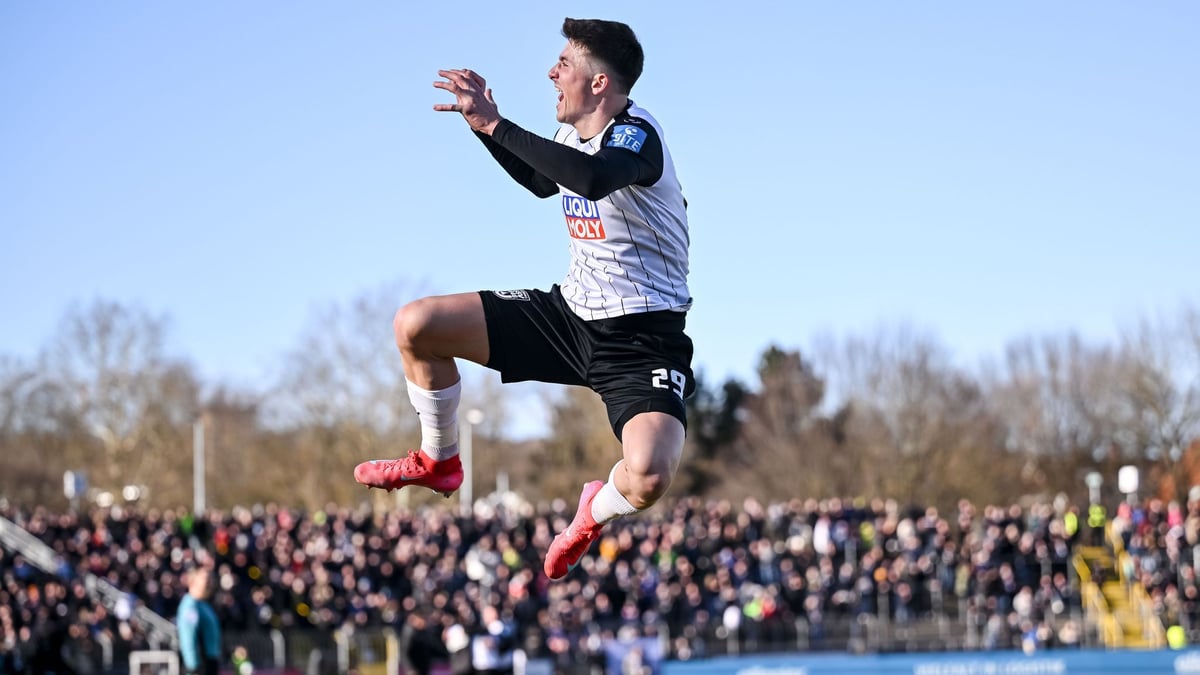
x: 160, y: 632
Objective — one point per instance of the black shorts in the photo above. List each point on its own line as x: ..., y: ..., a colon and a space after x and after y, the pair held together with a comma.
x: 637, y: 363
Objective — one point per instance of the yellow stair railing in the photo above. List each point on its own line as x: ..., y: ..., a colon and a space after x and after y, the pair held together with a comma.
x: 1117, y: 602
x: 1095, y: 605
x: 1138, y: 620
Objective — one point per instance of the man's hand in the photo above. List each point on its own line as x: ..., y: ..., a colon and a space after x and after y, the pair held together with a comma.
x: 472, y: 98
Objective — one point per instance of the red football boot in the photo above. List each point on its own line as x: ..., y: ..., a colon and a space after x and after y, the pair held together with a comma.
x: 570, y: 544
x: 415, y: 469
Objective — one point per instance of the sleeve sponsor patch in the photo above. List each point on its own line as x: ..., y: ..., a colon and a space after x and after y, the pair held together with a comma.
x: 627, y: 136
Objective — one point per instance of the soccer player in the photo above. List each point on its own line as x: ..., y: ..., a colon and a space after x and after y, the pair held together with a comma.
x: 616, y: 322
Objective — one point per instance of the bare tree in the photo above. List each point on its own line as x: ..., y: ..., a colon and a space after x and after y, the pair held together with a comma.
x: 242, y: 458
x: 784, y: 447
x: 1160, y: 383
x: 108, y: 364
x: 581, y: 446
x: 1072, y: 408
x: 40, y: 437
x: 342, y: 396
x: 916, y: 426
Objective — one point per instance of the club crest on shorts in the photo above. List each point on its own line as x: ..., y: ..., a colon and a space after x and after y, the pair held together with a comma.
x: 512, y: 295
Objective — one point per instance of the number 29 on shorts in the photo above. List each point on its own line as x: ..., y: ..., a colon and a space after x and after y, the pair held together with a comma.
x: 659, y: 380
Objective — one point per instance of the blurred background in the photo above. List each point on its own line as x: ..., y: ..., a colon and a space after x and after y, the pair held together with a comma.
x: 947, y: 323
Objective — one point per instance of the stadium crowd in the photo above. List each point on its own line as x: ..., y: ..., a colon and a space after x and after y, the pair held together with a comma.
x: 777, y: 575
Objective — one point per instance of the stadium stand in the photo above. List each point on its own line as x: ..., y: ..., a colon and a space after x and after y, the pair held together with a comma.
x: 317, y: 592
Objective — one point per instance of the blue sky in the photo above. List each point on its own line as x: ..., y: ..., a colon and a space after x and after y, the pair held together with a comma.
x: 983, y: 171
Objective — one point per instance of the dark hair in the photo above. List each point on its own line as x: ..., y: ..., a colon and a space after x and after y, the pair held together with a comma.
x: 611, y: 42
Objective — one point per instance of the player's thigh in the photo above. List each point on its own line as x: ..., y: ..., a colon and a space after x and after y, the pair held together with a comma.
x: 445, y: 326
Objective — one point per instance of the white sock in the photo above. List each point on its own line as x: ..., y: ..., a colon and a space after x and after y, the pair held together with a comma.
x: 609, y: 503
x: 438, y: 414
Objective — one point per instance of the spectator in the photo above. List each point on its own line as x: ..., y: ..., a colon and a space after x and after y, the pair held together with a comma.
x: 199, y: 629
x: 421, y: 644
x: 492, y: 643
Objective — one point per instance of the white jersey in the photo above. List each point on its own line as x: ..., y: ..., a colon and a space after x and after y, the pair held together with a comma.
x: 629, y: 250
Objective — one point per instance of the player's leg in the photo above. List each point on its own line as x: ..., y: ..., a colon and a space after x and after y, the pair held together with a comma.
x: 431, y: 333
x: 651, y: 446
x: 643, y: 378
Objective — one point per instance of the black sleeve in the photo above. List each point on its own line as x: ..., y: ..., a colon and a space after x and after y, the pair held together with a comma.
x: 630, y: 153
x: 520, y: 171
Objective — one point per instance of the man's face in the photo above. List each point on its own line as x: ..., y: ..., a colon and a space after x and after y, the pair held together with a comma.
x: 200, y: 584
x: 572, y: 76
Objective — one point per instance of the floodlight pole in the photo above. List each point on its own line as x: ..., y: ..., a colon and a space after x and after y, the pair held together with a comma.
x: 198, y: 487
x: 466, y: 433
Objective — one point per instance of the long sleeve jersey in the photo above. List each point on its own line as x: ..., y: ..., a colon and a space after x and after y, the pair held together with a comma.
x: 624, y: 209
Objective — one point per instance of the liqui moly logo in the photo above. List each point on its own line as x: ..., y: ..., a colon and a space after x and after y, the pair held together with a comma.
x: 583, y: 218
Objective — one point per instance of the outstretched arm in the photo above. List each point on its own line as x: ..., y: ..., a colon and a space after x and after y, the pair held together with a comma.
x: 473, y: 99
x: 537, y: 162
x: 613, y: 167
x: 520, y: 171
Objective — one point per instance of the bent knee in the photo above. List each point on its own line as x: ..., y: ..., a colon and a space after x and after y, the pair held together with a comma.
x: 647, y: 488
x: 411, y: 322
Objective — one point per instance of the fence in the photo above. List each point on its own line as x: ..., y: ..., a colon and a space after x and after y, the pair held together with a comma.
x: 376, y: 650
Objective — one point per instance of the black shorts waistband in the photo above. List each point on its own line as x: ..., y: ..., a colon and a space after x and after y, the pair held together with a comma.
x: 662, y: 321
